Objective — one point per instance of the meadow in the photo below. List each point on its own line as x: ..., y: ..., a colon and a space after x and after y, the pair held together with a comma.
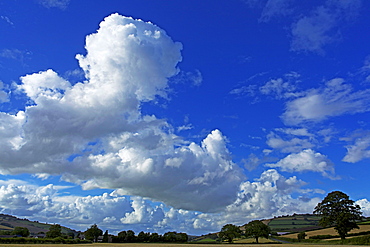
x: 328, y: 231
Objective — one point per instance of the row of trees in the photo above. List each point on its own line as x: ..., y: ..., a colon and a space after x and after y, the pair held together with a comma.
x: 254, y: 229
x: 93, y: 233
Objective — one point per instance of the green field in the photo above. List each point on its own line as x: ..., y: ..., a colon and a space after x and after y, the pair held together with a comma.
x: 294, y: 223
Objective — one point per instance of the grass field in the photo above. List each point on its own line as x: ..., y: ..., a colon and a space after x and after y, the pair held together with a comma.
x: 328, y: 231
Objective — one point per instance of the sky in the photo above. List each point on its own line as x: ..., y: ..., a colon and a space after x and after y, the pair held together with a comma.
x: 182, y: 116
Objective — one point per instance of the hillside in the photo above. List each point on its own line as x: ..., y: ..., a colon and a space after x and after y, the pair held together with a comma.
x: 9, y: 222
x: 294, y: 223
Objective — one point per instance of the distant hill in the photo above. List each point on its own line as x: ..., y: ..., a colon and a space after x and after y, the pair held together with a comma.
x: 9, y: 222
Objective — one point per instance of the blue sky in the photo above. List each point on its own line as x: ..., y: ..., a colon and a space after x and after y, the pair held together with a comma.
x: 181, y: 115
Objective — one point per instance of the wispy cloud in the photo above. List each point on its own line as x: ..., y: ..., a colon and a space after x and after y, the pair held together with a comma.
x: 311, y: 30
x: 4, y: 96
x: 323, y: 26
x: 276, y: 8
x: 61, y: 4
x: 335, y: 99
x: 359, y: 148
x: 5, y: 18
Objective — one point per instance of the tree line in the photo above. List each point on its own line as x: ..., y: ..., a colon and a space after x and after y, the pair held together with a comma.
x: 93, y: 233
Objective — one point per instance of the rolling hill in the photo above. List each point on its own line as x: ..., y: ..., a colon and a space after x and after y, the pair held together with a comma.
x: 9, y: 222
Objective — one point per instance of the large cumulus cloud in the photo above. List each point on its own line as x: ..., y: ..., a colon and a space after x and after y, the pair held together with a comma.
x: 267, y: 196
x: 94, y: 134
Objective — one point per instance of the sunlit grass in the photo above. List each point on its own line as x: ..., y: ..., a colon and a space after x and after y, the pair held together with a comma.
x: 328, y: 231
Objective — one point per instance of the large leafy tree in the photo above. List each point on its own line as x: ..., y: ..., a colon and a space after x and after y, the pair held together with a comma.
x: 257, y: 229
x: 93, y: 233
x: 22, y: 231
x: 54, y: 231
x: 229, y: 232
x: 339, y: 211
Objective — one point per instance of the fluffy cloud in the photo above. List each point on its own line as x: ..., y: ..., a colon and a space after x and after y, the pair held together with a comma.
x: 267, y: 196
x: 306, y: 160
x: 365, y: 206
x: 94, y: 134
x: 335, y: 99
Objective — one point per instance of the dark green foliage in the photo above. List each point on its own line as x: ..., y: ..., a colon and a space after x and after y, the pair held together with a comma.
x: 130, y: 237
x: 301, y: 236
x: 121, y: 237
x: 169, y: 237
x: 105, y: 237
x: 154, y: 238
x: 229, y: 232
x: 21, y: 231
x: 93, y: 233
x: 5, y: 232
x: 257, y: 229
x: 326, y: 236
x: 365, y: 240
x: 54, y: 231
x: 143, y: 237
x: 174, y: 237
x: 339, y: 211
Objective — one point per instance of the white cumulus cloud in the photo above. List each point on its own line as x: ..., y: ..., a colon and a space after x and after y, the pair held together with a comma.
x: 306, y: 160
x: 94, y: 134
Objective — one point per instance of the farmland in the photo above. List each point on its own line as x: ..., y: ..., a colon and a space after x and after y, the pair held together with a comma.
x: 329, y: 231
x: 294, y: 223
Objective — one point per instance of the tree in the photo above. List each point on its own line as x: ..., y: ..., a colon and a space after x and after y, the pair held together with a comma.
x: 122, y: 236
x: 339, y: 211
x: 154, y: 237
x: 169, y: 237
x: 54, y: 231
x: 130, y: 236
x: 93, y: 233
x: 257, y: 229
x: 143, y: 237
x: 105, y: 237
x: 301, y: 236
x: 22, y: 231
x: 181, y: 237
x: 229, y: 232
